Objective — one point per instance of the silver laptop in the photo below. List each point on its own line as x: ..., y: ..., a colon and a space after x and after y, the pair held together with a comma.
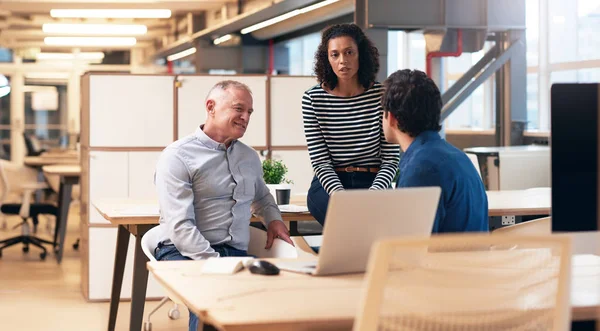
x: 357, y: 218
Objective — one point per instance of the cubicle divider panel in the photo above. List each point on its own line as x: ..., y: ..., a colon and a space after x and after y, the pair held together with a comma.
x: 288, y: 142
x: 137, y: 110
x: 299, y: 168
x: 102, y: 246
x: 191, y: 110
x: 287, y: 126
x: 84, y: 143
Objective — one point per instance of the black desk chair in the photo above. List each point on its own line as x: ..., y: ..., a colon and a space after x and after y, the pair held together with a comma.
x: 33, y: 145
x: 26, y: 209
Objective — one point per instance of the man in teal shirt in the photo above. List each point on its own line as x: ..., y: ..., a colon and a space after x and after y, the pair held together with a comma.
x: 412, y: 107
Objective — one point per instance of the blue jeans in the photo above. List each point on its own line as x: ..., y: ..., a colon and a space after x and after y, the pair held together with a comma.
x: 317, y: 199
x: 170, y: 253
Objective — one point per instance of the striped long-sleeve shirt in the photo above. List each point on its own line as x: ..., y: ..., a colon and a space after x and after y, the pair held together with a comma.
x: 347, y: 131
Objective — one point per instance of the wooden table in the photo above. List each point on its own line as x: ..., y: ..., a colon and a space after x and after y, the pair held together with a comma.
x: 39, y: 161
x: 510, y: 207
x: 69, y: 176
x: 535, y: 201
x: 137, y: 217
x: 294, y: 301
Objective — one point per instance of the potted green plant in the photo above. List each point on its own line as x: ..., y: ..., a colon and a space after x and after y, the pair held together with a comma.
x: 274, y: 172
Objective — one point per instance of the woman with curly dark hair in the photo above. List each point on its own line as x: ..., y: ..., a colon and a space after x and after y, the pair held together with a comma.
x: 342, y: 119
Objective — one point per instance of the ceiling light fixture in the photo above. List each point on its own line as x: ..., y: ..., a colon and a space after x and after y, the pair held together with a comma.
x: 95, y: 29
x: 90, y: 41
x: 285, y: 16
x: 181, y: 54
x: 110, y: 13
x: 222, y: 39
x: 70, y: 56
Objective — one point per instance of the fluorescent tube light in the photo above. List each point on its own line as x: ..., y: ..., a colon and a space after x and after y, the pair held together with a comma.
x: 110, y: 13
x: 317, y: 6
x: 70, y: 56
x: 222, y: 39
x: 97, y: 29
x: 90, y: 41
x: 285, y: 16
x: 181, y: 54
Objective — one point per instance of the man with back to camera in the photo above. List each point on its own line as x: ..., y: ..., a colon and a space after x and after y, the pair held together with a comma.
x: 209, y: 184
x: 412, y: 107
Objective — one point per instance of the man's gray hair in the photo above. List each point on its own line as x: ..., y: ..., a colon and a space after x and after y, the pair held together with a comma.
x: 226, y: 84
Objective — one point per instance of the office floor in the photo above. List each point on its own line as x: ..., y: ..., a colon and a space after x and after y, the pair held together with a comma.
x: 42, y: 295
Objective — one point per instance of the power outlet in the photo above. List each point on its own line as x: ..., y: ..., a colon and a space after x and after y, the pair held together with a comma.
x: 508, y: 220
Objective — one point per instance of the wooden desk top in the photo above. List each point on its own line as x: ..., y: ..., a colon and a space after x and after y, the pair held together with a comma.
x: 535, y: 201
x: 63, y: 170
x: 520, y: 203
x: 294, y: 301
x: 37, y: 161
x: 128, y: 211
x: 131, y: 211
x: 60, y: 154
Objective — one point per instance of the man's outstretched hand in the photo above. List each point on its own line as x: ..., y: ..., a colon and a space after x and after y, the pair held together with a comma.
x: 277, y: 230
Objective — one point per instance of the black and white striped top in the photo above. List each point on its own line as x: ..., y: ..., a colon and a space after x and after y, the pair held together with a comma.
x: 347, y: 131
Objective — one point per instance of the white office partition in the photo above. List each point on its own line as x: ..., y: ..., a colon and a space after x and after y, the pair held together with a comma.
x: 102, y: 246
x: 287, y: 128
x: 523, y: 169
x: 108, y: 179
x: 130, y: 110
x: 299, y: 168
x: 142, y: 166
x: 191, y: 109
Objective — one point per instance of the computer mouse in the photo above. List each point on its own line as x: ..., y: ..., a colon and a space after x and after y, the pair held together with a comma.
x: 263, y: 268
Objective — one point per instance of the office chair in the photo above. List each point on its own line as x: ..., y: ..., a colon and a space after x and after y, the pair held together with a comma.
x: 22, y: 179
x: 468, y: 282
x: 33, y: 145
x: 149, y: 242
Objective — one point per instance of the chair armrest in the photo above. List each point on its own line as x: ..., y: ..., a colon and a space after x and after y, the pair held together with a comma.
x: 26, y: 204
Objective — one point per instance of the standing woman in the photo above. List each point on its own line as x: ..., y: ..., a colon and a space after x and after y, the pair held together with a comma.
x: 343, y: 119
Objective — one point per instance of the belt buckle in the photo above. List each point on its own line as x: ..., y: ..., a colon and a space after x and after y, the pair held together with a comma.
x: 349, y: 169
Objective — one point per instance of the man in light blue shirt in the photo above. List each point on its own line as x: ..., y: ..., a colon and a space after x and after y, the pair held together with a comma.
x: 209, y: 184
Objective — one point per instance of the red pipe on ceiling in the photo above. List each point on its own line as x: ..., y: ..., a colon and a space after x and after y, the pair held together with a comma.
x: 458, y: 52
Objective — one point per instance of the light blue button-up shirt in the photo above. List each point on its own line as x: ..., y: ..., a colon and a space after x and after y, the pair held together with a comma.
x: 207, y: 194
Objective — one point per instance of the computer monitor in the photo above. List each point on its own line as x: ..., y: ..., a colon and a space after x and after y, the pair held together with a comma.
x: 575, y: 143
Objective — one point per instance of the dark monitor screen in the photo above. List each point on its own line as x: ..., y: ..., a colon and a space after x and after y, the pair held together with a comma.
x: 574, y: 148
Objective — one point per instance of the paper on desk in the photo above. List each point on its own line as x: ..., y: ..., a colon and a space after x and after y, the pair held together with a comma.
x: 292, y: 209
x: 224, y: 265
x: 144, y: 210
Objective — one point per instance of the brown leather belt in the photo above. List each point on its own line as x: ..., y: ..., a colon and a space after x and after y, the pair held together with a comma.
x: 357, y: 169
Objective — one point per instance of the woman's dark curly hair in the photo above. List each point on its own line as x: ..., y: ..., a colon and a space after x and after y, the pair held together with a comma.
x: 368, y: 56
x: 414, y: 100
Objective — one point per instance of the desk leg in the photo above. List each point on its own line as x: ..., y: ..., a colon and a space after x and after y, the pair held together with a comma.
x: 120, y: 258
x: 64, y: 201
x: 583, y: 326
x: 140, y: 281
x: 294, y: 228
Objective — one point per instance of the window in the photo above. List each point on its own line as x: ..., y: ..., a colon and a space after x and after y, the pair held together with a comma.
x: 46, y: 113
x: 533, y: 115
x: 569, y: 29
x: 296, y: 56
